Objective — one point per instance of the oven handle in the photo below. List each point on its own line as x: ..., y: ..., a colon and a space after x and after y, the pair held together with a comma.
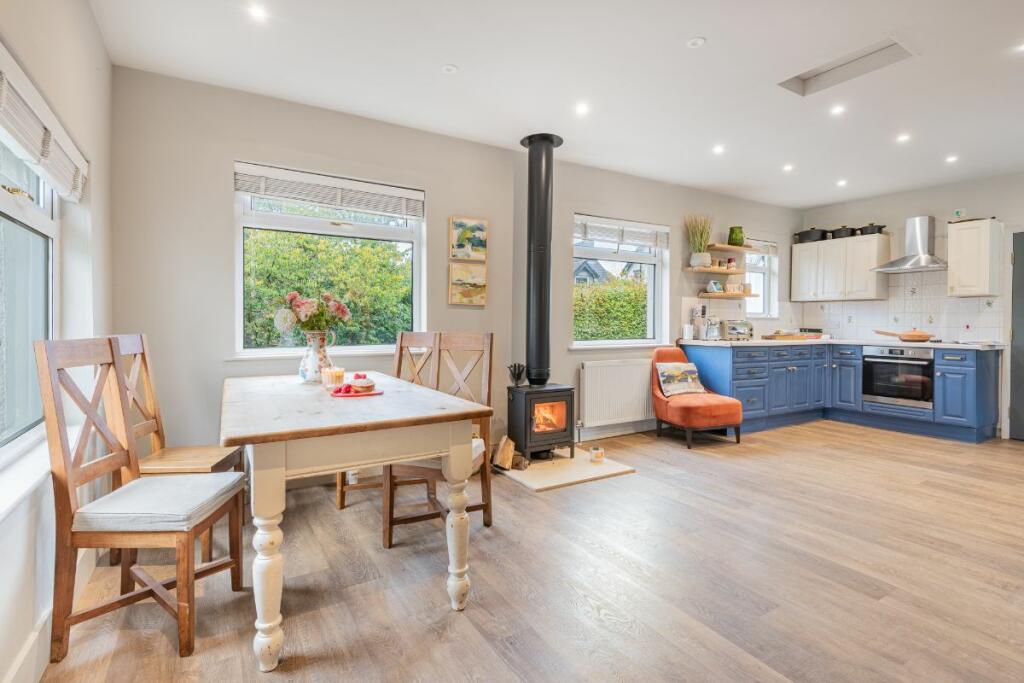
x: 893, y: 360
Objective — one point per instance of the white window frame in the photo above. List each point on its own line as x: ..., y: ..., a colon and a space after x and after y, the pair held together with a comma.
x: 246, y: 217
x: 43, y: 216
x: 771, y: 281
x: 657, y: 293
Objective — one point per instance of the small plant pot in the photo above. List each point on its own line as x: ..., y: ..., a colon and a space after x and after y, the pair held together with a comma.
x: 700, y: 259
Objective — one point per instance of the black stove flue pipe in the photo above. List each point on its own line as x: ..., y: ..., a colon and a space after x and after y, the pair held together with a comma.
x: 538, y: 263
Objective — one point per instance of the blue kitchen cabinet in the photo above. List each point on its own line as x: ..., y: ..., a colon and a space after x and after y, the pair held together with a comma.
x: 821, y: 384
x: 800, y: 386
x: 956, y: 396
x: 846, y: 384
x: 778, y: 389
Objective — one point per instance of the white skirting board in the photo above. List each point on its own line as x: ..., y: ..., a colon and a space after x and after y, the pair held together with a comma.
x: 34, y: 655
x: 607, y: 431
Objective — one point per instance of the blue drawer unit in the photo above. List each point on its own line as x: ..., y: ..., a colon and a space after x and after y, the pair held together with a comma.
x: 847, y: 352
x: 748, y: 355
x: 742, y: 372
x: 820, y: 351
x: 787, y: 353
x: 754, y: 397
x: 956, y: 357
x: 906, y: 412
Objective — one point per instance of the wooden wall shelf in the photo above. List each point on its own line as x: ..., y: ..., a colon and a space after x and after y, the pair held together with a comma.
x: 729, y: 247
x: 715, y: 271
x: 725, y: 295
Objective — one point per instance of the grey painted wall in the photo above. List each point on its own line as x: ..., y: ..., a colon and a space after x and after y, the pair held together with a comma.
x: 174, y: 245
x: 175, y: 236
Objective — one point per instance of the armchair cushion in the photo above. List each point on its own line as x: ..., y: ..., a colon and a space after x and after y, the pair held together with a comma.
x: 678, y: 378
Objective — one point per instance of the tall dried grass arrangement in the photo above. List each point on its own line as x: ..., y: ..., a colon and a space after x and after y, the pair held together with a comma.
x: 698, y: 230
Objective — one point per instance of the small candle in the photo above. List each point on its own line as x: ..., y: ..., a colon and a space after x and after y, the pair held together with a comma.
x: 332, y: 377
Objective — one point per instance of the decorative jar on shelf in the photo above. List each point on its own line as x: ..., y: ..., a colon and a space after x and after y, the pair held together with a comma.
x: 736, y: 237
x: 315, y: 359
x: 700, y: 259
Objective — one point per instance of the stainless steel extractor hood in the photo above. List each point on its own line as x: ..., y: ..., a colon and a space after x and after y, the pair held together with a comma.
x: 918, y: 245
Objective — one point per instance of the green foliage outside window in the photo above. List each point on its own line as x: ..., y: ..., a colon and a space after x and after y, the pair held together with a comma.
x: 614, y: 309
x: 372, y: 277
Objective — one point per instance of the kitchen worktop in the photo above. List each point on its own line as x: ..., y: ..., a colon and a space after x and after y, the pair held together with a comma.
x: 893, y: 341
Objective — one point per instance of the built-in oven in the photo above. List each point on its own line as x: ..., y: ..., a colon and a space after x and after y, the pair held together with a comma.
x: 899, y: 375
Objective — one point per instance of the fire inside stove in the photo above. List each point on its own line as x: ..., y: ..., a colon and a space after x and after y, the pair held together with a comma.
x: 549, y: 417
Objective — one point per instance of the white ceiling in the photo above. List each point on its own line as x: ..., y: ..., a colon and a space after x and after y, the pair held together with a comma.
x: 657, y: 107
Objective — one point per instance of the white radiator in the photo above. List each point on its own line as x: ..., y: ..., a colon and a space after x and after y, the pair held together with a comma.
x: 614, y: 392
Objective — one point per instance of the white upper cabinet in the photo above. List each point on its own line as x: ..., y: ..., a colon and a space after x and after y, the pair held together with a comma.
x: 840, y: 269
x: 973, y: 257
x: 805, y: 272
x: 832, y: 269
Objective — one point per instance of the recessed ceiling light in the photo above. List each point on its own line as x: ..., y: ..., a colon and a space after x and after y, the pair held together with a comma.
x: 903, y: 137
x: 952, y: 159
x: 787, y: 167
x: 582, y: 109
x: 258, y: 13
x: 841, y: 182
x: 837, y: 110
x: 696, y: 41
x: 1019, y: 48
x: 718, y: 149
x: 449, y: 69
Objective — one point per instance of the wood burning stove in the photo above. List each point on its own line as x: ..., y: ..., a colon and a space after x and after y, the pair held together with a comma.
x: 540, y: 418
x: 540, y: 415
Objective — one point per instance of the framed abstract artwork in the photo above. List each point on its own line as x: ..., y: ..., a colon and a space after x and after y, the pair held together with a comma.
x: 467, y: 239
x: 467, y: 284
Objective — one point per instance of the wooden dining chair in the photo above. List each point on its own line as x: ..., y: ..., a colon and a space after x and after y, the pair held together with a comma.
x: 150, y: 512
x: 416, y: 360
x: 473, y: 349
x: 144, y: 410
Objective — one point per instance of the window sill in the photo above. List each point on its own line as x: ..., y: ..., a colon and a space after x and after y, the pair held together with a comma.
x: 27, y: 469
x: 296, y: 353
x: 617, y: 345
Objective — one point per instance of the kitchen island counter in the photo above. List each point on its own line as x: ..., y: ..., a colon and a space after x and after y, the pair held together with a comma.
x: 880, y: 341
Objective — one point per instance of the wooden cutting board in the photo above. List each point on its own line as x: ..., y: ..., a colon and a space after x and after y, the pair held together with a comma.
x: 791, y: 337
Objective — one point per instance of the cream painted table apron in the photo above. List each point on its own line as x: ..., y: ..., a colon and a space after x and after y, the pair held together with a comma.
x: 293, y: 430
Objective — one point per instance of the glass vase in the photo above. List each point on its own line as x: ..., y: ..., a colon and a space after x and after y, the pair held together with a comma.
x: 315, y: 359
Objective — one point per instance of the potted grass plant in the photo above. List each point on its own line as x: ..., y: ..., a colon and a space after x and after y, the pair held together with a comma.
x: 698, y: 231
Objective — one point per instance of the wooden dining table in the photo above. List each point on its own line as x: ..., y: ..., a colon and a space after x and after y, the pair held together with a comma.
x: 293, y: 430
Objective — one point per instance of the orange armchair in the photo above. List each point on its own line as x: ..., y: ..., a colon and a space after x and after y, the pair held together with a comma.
x: 692, y: 412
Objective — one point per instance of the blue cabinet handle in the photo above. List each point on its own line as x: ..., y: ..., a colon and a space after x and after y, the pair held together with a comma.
x: 945, y: 357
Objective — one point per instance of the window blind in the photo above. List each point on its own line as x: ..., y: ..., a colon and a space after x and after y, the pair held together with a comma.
x: 32, y: 131
x: 621, y: 232
x: 345, y: 193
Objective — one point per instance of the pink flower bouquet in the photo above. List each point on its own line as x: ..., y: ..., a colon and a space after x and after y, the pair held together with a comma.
x: 310, y: 315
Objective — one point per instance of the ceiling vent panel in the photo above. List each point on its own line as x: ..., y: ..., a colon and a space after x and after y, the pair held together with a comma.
x: 846, y: 68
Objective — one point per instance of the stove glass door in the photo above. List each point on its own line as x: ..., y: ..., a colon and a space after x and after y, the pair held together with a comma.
x: 900, y: 381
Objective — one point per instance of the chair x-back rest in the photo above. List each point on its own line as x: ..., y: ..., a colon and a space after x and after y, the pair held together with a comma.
x: 423, y: 369
x: 105, y: 415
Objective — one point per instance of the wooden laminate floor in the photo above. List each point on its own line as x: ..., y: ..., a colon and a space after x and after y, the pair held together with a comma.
x: 823, y: 552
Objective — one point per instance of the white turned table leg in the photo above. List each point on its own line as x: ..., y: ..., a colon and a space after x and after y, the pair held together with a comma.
x: 267, y: 465
x: 457, y: 466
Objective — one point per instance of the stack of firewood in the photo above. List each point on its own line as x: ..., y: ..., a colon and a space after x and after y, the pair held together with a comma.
x: 506, y: 458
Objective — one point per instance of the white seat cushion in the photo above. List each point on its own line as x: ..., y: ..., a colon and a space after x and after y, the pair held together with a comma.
x: 164, y: 503
x: 479, y: 448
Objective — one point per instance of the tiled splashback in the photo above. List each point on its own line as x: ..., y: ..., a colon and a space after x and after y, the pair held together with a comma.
x: 915, y: 300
